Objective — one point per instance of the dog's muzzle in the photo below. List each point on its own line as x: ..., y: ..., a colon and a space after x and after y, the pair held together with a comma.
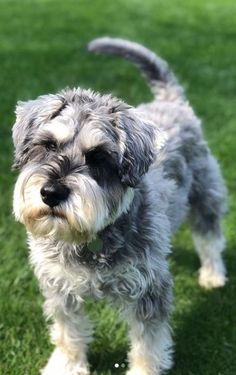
x: 53, y: 193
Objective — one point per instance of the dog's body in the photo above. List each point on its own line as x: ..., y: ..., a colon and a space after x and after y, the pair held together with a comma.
x: 122, y: 179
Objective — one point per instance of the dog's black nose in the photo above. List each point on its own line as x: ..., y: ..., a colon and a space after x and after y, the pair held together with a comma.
x: 54, y: 193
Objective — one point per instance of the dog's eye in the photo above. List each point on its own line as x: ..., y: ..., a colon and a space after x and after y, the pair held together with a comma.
x: 102, y: 165
x: 50, y: 146
x: 96, y: 156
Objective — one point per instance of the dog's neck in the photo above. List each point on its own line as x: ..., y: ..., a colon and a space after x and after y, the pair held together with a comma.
x: 95, y: 245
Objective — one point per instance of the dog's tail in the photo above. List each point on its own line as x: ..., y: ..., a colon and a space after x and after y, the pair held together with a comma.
x: 160, y: 77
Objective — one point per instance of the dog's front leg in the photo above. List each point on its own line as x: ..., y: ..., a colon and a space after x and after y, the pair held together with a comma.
x: 150, y: 334
x: 70, y: 333
x: 151, y: 346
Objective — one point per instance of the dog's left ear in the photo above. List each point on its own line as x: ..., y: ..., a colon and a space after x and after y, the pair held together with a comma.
x: 141, y: 145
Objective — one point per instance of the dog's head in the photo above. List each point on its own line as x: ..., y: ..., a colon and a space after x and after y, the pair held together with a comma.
x: 80, y: 155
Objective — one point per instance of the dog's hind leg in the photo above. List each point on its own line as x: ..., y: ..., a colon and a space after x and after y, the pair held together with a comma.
x: 207, y: 203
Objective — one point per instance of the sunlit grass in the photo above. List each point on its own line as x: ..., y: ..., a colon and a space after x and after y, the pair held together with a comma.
x: 42, y: 49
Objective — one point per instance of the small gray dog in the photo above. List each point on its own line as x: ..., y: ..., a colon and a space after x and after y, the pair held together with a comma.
x: 102, y: 187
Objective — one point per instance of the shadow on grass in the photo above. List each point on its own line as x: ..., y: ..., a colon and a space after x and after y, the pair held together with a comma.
x: 107, y: 359
x: 204, y: 333
x: 110, y: 344
x: 205, y: 340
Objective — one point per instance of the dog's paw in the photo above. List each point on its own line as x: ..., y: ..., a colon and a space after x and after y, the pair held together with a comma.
x: 143, y: 371
x: 212, y: 277
x: 135, y: 371
x: 64, y: 370
x: 59, y: 364
x: 138, y: 371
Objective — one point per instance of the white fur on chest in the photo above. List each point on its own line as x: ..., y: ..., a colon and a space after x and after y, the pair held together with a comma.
x: 56, y: 277
x: 125, y: 280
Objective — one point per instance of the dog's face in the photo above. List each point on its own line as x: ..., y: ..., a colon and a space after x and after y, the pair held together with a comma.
x: 80, y: 155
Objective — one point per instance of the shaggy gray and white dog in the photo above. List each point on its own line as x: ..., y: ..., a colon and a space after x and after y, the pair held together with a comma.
x: 96, y: 173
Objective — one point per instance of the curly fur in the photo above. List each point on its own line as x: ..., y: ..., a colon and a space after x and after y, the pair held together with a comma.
x: 134, y: 175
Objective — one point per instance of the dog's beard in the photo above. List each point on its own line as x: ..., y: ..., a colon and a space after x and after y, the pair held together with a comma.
x: 77, y: 219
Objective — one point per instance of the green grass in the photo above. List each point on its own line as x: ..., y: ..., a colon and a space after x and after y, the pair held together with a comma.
x: 42, y: 49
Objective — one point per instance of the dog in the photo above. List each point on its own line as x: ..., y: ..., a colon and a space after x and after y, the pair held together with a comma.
x: 101, y: 189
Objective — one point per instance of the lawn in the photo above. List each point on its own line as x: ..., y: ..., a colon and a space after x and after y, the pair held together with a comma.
x: 42, y: 49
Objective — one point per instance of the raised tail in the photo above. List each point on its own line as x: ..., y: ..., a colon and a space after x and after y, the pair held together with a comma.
x: 156, y: 70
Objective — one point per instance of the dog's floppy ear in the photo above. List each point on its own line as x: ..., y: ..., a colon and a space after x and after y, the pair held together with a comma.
x: 29, y: 116
x: 20, y: 131
x: 32, y: 113
x: 140, y: 146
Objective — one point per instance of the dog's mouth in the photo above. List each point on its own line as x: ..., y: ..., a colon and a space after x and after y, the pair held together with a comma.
x: 44, y: 212
x: 46, y: 221
x: 57, y: 214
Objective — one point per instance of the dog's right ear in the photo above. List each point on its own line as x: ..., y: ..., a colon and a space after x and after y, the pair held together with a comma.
x: 33, y: 113
x: 20, y: 126
x: 29, y: 116
x: 20, y: 130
